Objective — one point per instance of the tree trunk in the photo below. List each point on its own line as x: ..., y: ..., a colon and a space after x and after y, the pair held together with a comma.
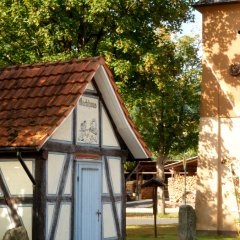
x: 161, y: 200
x: 161, y: 177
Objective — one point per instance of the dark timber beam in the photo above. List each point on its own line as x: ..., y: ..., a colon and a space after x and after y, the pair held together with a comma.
x: 39, y: 198
x: 26, y: 168
x: 52, y: 146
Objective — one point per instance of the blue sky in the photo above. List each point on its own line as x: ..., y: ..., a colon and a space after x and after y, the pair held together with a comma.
x: 195, y: 27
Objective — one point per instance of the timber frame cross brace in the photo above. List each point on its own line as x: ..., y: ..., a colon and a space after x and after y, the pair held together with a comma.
x: 26, y: 168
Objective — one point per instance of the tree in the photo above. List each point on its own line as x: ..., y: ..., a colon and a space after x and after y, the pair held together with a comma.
x: 167, y: 110
x: 121, y: 30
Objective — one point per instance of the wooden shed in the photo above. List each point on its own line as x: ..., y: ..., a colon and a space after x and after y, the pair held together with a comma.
x: 64, y: 134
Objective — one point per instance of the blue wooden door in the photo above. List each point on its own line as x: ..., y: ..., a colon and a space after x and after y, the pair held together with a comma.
x: 88, y: 201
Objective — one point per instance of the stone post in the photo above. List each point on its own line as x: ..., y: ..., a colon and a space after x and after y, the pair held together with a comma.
x: 16, y: 234
x: 187, y: 223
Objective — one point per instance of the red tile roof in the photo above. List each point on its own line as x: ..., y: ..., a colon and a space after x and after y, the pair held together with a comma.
x: 36, y: 98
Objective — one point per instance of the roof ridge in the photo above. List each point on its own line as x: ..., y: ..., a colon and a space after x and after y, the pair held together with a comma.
x: 214, y: 2
x: 59, y: 62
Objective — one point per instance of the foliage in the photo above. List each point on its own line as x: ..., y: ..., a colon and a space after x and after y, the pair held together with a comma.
x: 129, y: 166
x: 40, y: 30
x: 168, y: 232
x: 157, y: 75
x: 167, y: 110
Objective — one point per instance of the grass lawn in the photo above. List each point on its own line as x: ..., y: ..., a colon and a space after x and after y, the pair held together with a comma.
x: 165, y: 232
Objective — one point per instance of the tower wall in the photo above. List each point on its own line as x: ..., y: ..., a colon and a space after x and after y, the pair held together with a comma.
x: 219, y: 140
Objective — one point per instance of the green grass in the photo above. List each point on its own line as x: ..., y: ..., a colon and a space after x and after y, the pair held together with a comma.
x: 165, y: 232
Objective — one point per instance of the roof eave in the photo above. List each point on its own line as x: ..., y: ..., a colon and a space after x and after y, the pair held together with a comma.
x: 210, y: 3
x: 19, y: 149
x: 127, y: 133
x: 180, y: 162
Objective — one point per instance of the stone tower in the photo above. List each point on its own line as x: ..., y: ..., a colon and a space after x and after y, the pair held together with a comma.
x: 219, y: 140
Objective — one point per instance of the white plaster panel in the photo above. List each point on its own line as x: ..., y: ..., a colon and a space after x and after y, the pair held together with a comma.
x: 68, y: 186
x: 88, y: 120
x: 16, y: 178
x: 25, y: 212
x: 54, y: 170
x: 108, y: 135
x: 109, y: 228
x: 104, y: 182
x: 5, y: 221
x: 50, y: 210
x: 64, y: 131
x: 115, y: 173
x: 119, y: 212
x: 63, y: 227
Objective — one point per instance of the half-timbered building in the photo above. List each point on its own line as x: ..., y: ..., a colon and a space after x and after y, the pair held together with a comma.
x: 64, y: 135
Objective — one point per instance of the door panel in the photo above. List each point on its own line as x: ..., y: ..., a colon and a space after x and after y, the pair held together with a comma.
x: 88, y: 201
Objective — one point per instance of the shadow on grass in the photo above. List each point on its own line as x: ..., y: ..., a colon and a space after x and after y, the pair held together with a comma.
x: 165, y: 232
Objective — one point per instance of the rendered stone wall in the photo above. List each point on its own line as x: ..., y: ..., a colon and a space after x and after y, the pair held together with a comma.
x: 220, y: 120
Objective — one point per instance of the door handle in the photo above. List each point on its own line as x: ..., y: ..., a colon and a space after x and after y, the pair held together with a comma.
x: 98, y: 214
